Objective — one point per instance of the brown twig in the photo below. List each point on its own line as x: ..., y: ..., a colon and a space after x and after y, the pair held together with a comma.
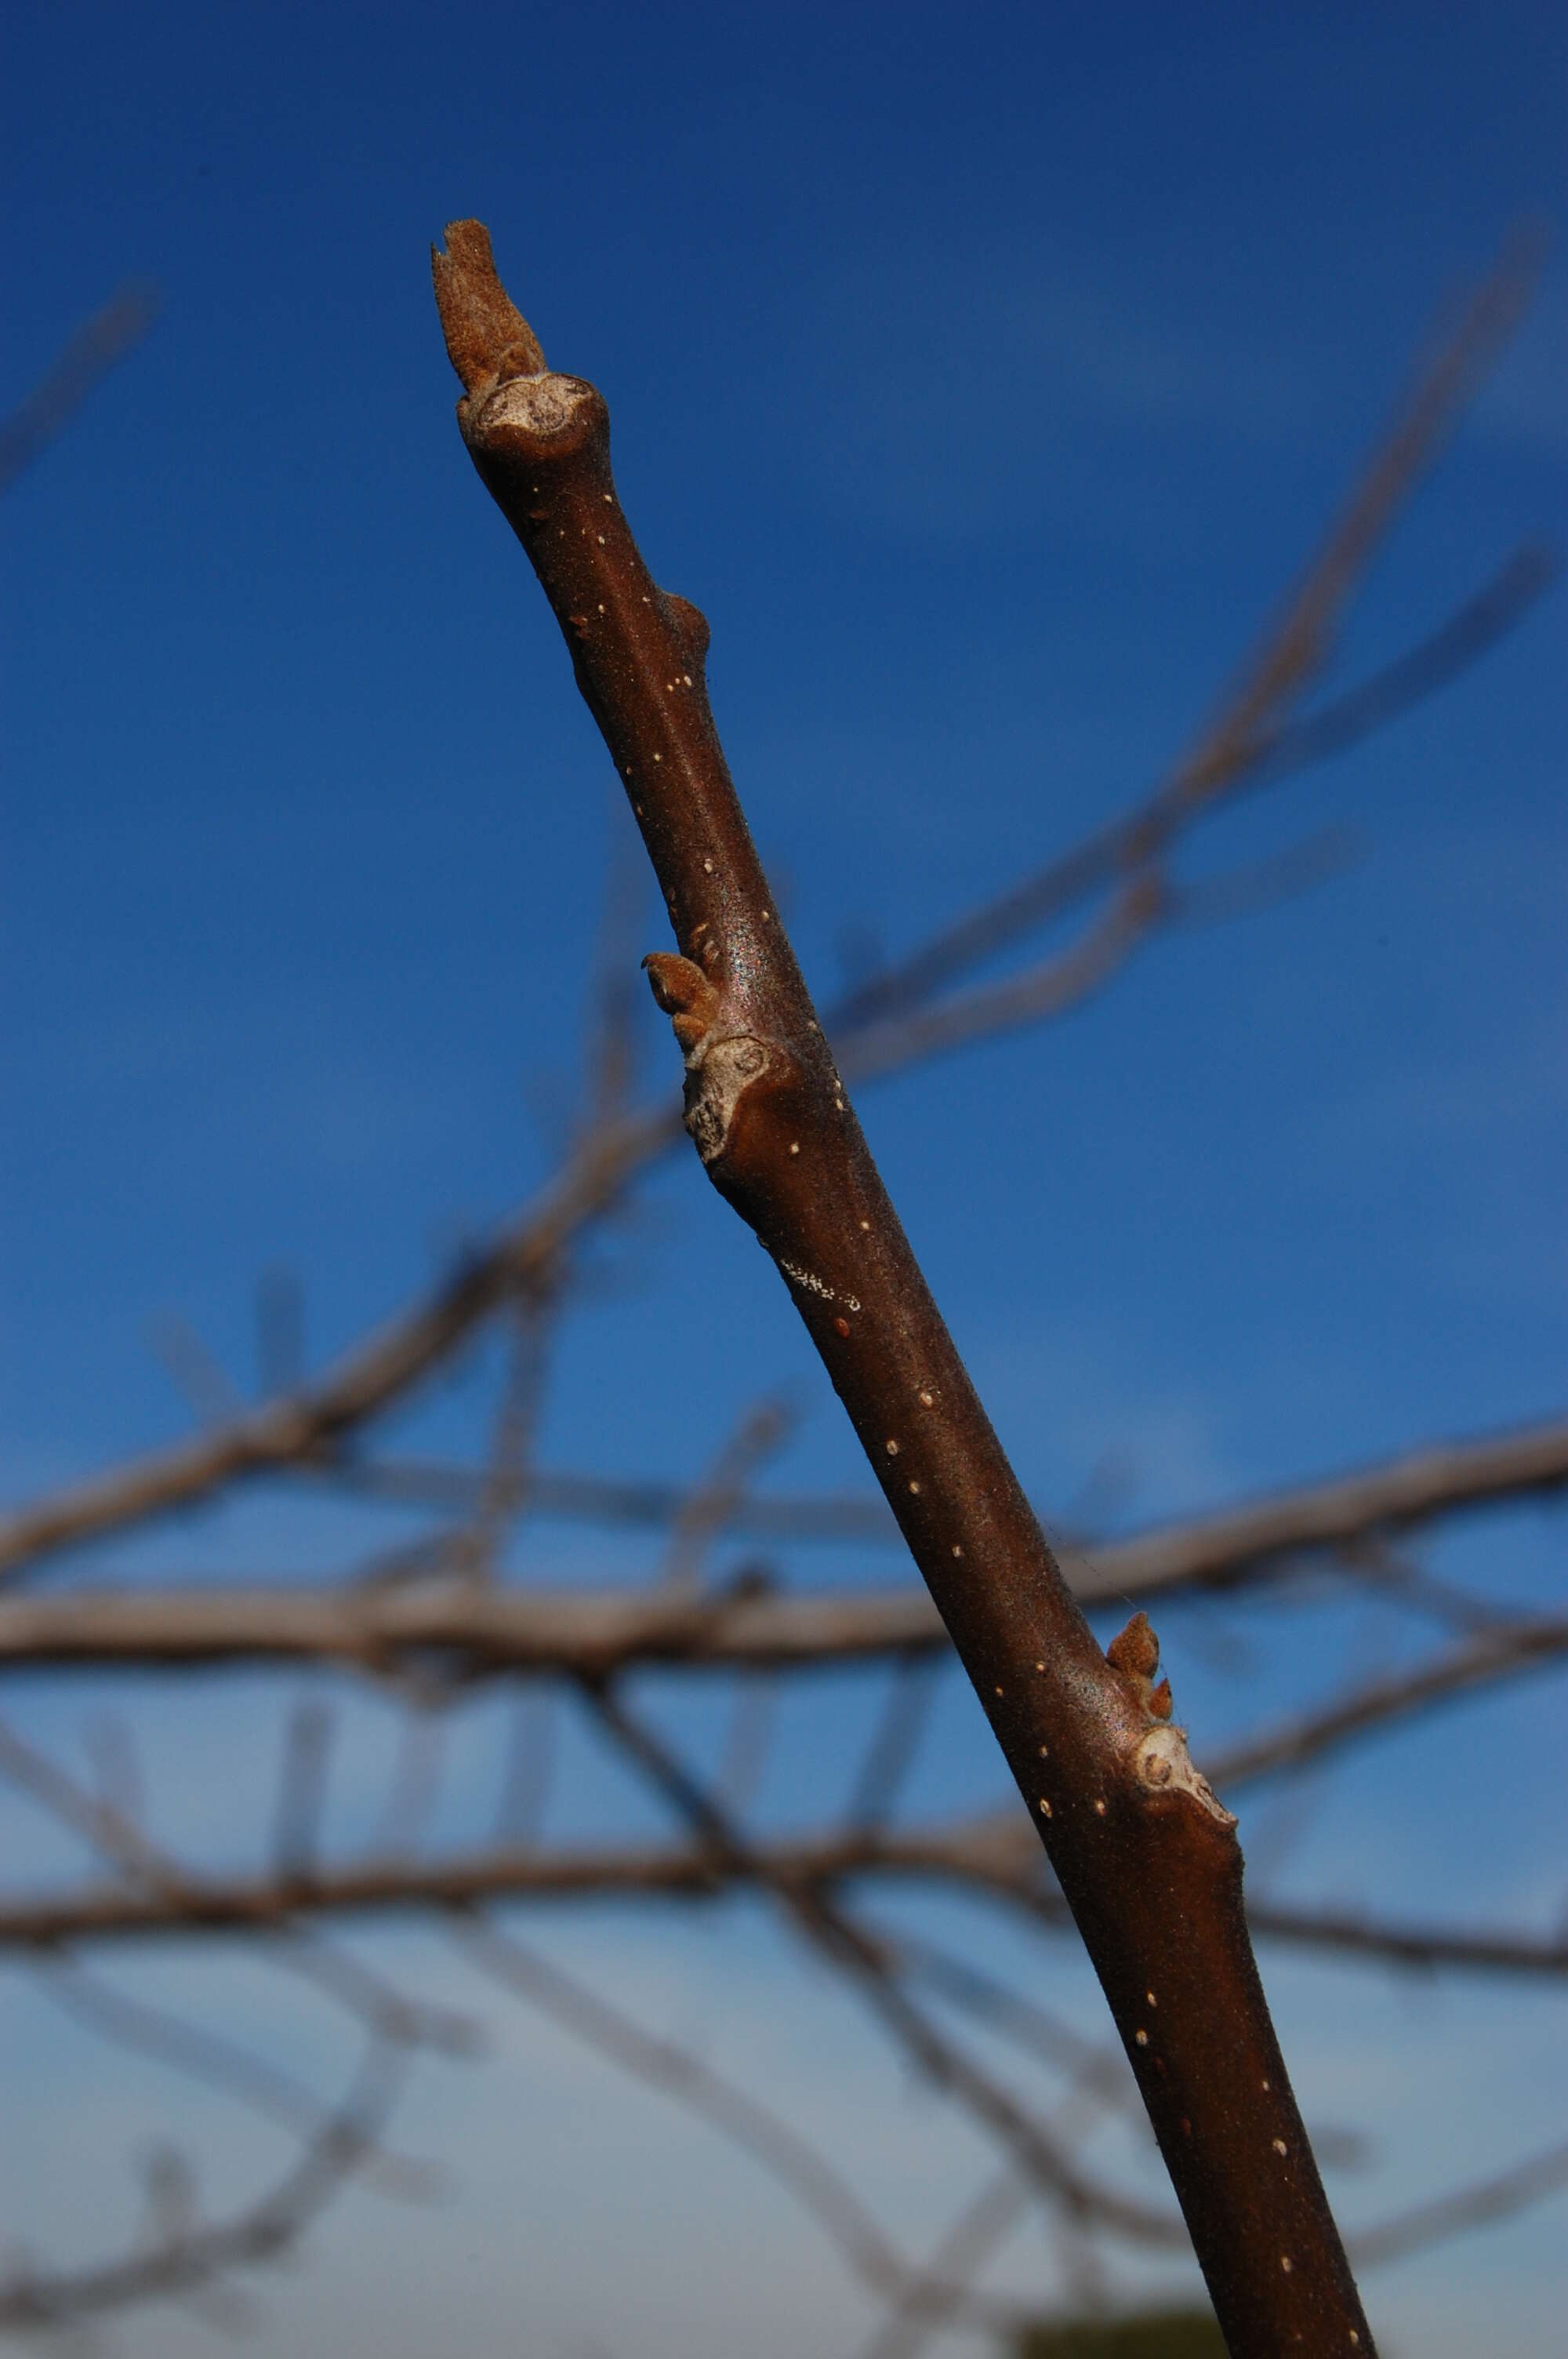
x: 311, y: 1423
x: 993, y: 1856
x: 575, y: 1632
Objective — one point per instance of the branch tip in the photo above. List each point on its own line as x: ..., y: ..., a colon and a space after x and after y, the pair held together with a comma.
x: 488, y: 340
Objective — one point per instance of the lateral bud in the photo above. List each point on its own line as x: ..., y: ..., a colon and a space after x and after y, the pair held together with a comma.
x: 1134, y: 1655
x: 719, y: 1066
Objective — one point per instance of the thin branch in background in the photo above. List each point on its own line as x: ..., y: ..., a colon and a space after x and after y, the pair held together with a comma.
x: 895, y: 1741
x: 33, y: 2300
x: 1289, y: 655
x: 312, y: 1424
x: 984, y: 1856
x: 752, y: 1720
x: 1444, y: 654
x: 1498, y: 2197
x: 829, y: 1930
x: 415, y: 1777
x: 1061, y: 982
x: 300, y: 1950
x: 707, y: 1510
x: 1480, y: 1661
x: 1265, y: 884
x: 1092, y: 2065
x: 503, y: 1495
x: 215, y: 2061
x: 1391, y: 1495
x: 941, y: 2287
x: 1374, y: 1563
x: 116, y: 1769
x: 198, y: 1376
x: 830, y: 2200
x: 533, y: 1730
x: 280, y: 1332
x: 301, y: 1792
x: 574, y: 1633
x: 93, y: 349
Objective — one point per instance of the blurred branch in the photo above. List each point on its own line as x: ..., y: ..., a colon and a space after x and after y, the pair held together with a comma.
x: 941, y: 2289
x: 710, y: 1508
x: 574, y: 1632
x: 991, y: 1855
x: 832, y: 1932
x: 1248, y: 729
x: 1435, y: 1479
x: 312, y: 1423
x: 163, y: 1885
x: 184, y: 2260
x: 1474, y: 2206
x: 209, y: 2058
x: 1481, y: 1660
x: 91, y: 351
x: 830, y: 2200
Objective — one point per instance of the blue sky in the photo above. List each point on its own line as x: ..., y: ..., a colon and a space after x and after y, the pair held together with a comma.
x: 985, y: 375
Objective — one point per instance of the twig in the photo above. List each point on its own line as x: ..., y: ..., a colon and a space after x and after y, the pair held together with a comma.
x: 35, y: 2300
x: 1479, y: 1661
x: 1474, y: 2206
x: 662, y: 2064
x: 895, y: 1742
x: 942, y: 2288
x: 312, y: 1423
x: 711, y: 1506
x: 572, y: 1632
x: 209, y: 2058
x: 1248, y: 734
x: 993, y: 1856
x: 301, y: 1792
x: 92, y: 350
x: 830, y: 1930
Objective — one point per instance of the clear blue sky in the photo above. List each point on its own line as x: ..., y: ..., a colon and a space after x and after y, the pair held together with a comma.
x: 986, y: 374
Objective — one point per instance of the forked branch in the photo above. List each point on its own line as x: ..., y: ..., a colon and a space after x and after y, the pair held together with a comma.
x: 1146, y: 1855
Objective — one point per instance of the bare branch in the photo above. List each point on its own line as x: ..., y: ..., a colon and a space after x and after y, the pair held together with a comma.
x: 92, y: 350
x: 1247, y: 734
x: 1479, y: 1661
x: 710, y: 1508
x: 832, y: 1932
x: 829, y: 2199
x: 994, y: 1856
x: 218, y: 2063
x: 575, y: 1632
x: 307, y: 1426
x: 181, y: 2264
x: 940, y: 2290
x: 1475, y: 2206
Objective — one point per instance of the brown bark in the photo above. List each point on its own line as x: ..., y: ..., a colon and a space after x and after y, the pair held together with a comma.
x: 1147, y: 1857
